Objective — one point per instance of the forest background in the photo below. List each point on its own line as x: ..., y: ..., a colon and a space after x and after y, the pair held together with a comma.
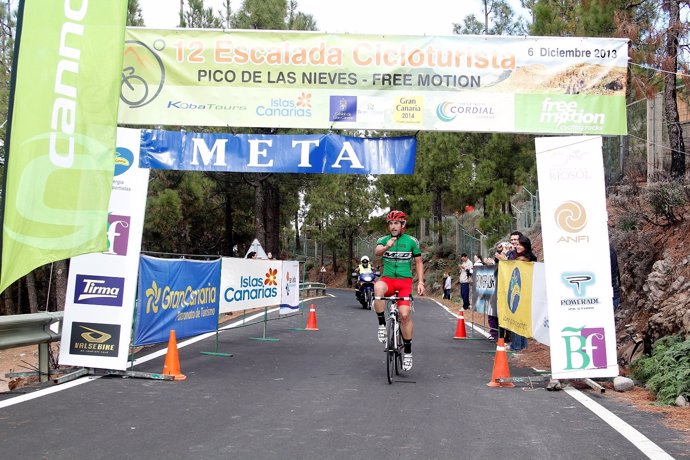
x: 469, y: 190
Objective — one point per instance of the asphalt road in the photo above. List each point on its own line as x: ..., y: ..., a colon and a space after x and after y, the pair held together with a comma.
x: 324, y: 395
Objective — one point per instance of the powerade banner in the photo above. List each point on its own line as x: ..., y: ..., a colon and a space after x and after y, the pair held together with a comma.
x: 101, y: 287
x: 61, y: 132
x: 521, y: 299
x: 324, y: 153
x: 289, y: 79
x: 254, y: 283
x: 176, y: 294
x: 576, y: 248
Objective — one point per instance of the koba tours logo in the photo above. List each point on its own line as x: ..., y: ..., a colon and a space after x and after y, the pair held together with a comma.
x: 585, y: 347
x: 571, y: 217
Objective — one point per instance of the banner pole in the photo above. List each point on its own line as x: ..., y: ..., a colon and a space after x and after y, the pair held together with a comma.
x: 264, y: 338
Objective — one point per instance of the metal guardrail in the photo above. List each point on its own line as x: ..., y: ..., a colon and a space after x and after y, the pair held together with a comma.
x: 31, y: 329
x: 316, y: 288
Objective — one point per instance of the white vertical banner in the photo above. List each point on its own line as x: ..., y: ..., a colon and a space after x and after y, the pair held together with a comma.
x: 576, y: 255
x: 289, y: 284
x: 101, y: 287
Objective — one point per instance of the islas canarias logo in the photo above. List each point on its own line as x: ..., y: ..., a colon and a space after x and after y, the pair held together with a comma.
x: 254, y: 287
x: 271, y: 276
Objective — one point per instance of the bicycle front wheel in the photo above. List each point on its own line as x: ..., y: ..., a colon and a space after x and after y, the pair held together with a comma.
x: 390, y: 352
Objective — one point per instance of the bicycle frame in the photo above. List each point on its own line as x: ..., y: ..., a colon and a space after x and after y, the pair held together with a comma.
x: 394, y: 342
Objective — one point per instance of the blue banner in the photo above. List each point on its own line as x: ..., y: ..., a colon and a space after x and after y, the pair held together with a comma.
x: 484, y: 283
x: 176, y: 294
x: 264, y: 153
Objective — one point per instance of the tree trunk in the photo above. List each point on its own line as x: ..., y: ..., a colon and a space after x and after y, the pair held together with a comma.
x: 670, y: 65
x: 438, y: 214
x: 60, y: 284
x: 229, y: 222
x: 31, y: 292
x: 260, y: 212
x: 298, y: 244
x: 10, y: 308
x: 351, y: 255
x: 272, y: 218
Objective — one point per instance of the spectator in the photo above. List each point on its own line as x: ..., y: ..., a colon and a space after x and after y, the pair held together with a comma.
x: 447, y: 285
x: 465, y: 279
x: 251, y: 255
x: 523, y: 252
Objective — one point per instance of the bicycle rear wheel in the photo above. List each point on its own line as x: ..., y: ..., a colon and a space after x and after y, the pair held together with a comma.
x: 390, y: 352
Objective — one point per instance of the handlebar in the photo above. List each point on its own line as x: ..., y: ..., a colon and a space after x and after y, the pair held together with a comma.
x: 393, y: 298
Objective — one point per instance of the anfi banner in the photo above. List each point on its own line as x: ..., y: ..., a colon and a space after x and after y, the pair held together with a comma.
x: 62, y: 128
x: 576, y: 254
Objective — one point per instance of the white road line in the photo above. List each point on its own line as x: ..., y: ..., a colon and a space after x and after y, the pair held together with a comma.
x: 143, y: 359
x: 476, y: 328
x: 637, y: 439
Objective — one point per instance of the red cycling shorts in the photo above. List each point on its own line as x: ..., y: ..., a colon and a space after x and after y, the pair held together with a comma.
x: 402, y: 285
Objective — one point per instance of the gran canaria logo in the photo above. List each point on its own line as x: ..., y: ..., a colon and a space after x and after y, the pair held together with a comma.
x: 571, y: 216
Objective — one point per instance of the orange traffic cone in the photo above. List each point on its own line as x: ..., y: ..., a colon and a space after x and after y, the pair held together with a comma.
x: 311, y: 320
x: 172, y: 359
x: 460, y: 332
x: 501, y: 370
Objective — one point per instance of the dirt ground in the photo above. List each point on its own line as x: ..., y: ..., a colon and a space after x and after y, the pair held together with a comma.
x: 25, y: 359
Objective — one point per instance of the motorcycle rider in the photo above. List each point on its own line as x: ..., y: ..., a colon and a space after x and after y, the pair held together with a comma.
x: 364, y: 267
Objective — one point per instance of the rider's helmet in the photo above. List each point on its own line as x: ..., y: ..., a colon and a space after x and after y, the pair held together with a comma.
x: 397, y: 216
x: 364, y: 260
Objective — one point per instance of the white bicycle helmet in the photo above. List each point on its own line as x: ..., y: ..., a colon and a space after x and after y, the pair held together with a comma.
x: 364, y: 259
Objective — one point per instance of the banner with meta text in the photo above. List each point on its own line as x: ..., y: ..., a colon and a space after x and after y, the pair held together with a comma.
x: 176, y: 294
x: 101, y: 288
x: 323, y: 153
x: 576, y: 249
x: 290, y: 79
x: 61, y: 133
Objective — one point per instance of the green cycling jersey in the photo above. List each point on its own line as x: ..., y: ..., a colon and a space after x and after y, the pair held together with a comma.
x: 397, y: 260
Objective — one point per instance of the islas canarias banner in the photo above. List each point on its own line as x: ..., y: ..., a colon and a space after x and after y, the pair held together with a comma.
x: 310, y: 80
x: 62, y: 131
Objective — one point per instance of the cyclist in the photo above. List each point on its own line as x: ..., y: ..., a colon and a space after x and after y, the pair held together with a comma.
x: 364, y: 267
x: 398, y: 250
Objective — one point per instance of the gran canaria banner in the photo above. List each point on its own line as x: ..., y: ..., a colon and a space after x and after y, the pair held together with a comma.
x: 318, y: 81
x: 176, y: 294
x: 62, y: 132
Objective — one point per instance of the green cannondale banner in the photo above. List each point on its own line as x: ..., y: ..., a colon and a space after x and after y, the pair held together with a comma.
x: 349, y: 81
x: 62, y: 132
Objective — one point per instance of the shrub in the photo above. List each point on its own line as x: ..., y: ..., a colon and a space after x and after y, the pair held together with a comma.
x: 666, y: 373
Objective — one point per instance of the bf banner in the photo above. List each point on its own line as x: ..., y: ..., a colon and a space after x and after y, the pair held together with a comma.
x: 176, y: 294
x: 484, y: 285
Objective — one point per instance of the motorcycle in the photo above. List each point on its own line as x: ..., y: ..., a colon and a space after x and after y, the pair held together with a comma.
x: 365, y: 293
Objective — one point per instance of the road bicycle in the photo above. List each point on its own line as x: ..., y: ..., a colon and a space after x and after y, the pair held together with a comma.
x: 394, y: 341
